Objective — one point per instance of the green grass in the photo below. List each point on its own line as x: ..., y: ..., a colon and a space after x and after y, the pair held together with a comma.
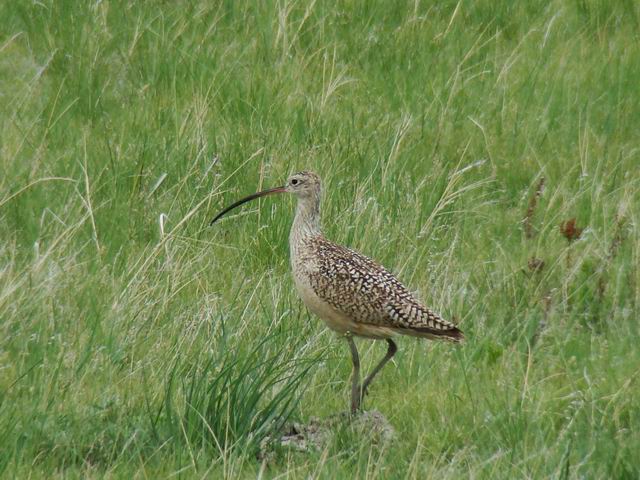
x: 135, y: 341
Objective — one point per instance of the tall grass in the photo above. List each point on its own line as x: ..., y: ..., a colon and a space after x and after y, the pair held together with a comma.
x: 134, y: 340
x: 234, y: 400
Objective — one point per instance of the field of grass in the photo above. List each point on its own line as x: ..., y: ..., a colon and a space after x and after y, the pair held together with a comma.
x: 454, y: 138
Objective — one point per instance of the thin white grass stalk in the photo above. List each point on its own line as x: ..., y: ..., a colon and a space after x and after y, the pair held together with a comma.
x: 625, y: 388
x: 222, y: 451
x: 486, y: 142
x: 188, y: 443
x: 333, y: 81
x: 137, y: 34
x: 12, y: 284
x: 148, y: 459
x: 454, y: 79
x: 87, y: 198
x: 307, y: 14
x: 161, y: 221
x: 31, y: 84
x: 401, y: 133
x: 282, y: 19
x: 511, y: 60
x: 179, y: 471
x: 547, y: 31
x: 9, y: 41
x: 65, y: 234
x: 448, y: 276
x: 32, y: 184
x: 412, y: 468
x: 451, y: 194
x: 583, y: 145
x: 453, y: 17
x: 40, y: 261
x: 225, y: 462
x: 525, y: 383
x: 321, y: 463
x: 212, y: 164
x: 243, y: 316
x: 52, y: 123
x: 263, y: 468
x: 156, y: 185
x: 48, y: 211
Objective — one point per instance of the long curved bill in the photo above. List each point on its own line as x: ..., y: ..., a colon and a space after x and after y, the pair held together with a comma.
x: 247, y: 199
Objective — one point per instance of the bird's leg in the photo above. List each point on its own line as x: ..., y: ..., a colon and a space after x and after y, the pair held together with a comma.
x: 391, y: 351
x: 356, y: 391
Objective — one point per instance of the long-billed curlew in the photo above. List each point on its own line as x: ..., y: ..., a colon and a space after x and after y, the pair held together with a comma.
x: 352, y: 294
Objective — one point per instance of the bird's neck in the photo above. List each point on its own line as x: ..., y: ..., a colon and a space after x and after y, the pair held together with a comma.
x: 307, y: 220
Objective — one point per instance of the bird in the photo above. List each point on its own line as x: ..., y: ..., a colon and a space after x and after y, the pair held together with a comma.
x: 354, y: 295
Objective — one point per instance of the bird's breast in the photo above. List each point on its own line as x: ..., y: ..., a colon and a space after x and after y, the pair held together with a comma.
x: 334, y: 319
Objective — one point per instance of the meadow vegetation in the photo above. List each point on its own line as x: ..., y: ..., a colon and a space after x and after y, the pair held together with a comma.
x: 487, y: 152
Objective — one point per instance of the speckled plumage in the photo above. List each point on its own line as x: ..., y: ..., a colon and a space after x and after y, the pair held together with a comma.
x: 358, y: 287
x: 361, y: 296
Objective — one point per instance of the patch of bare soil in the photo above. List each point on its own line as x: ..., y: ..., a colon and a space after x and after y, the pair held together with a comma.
x: 316, y: 434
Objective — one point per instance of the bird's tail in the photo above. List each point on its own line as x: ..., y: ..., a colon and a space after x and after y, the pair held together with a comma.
x: 453, y: 334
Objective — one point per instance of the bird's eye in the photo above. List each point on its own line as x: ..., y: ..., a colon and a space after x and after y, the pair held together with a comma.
x: 294, y: 181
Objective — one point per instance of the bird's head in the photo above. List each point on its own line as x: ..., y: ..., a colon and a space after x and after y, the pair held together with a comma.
x: 304, y: 184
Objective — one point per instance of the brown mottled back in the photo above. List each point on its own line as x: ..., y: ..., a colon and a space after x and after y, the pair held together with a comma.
x: 367, y: 293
